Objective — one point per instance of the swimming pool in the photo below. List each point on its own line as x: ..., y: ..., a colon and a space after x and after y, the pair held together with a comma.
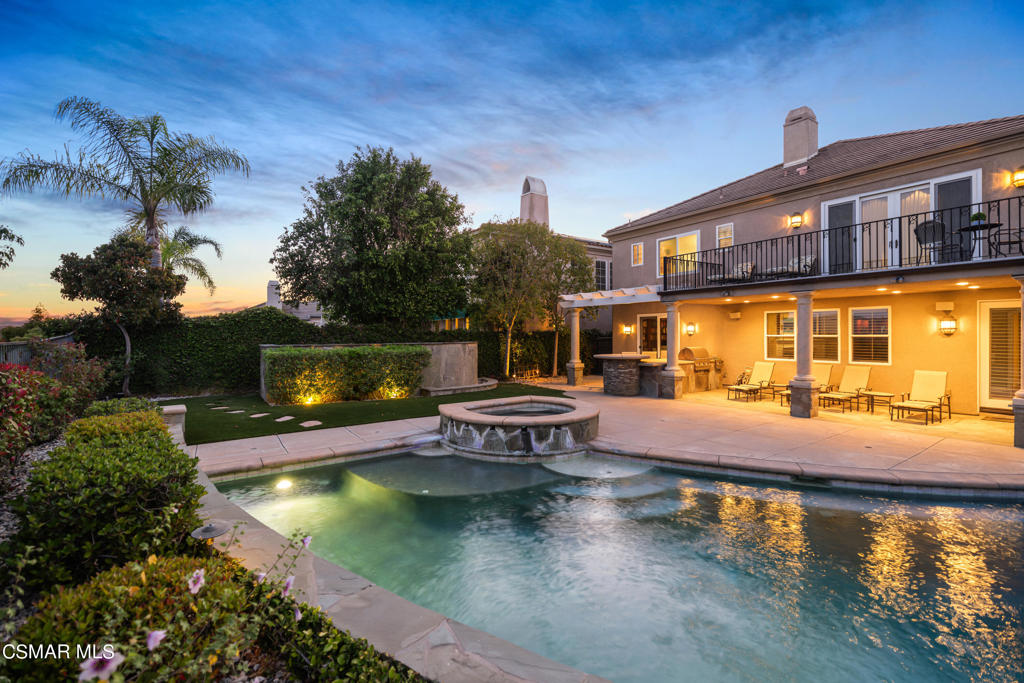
x: 641, y: 574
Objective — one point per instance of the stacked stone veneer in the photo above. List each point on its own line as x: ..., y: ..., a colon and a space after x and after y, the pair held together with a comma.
x: 518, y: 436
x: 621, y: 377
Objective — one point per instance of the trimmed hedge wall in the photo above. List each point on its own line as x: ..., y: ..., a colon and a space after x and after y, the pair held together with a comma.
x: 221, y: 352
x: 325, y: 375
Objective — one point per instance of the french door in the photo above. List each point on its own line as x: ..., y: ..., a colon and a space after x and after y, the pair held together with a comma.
x: 999, y: 352
x: 652, y: 335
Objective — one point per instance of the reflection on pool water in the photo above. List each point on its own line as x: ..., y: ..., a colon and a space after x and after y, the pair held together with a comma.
x: 533, y: 409
x: 661, y: 577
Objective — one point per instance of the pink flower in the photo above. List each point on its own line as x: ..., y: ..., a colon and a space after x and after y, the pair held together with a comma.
x: 306, y: 541
x: 196, y: 581
x: 298, y: 614
x: 261, y: 577
x: 153, y: 639
x: 288, y: 585
x: 99, y: 667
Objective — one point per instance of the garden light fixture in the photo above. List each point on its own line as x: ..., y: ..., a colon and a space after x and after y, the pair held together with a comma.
x: 212, y: 529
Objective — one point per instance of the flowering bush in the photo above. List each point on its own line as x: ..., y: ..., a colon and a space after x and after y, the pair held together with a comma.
x: 120, y: 490
x: 33, y: 409
x: 68, y: 363
x: 161, y: 628
x: 114, y: 406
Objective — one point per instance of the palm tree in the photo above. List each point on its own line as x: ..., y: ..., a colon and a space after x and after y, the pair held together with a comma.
x: 135, y: 160
x: 177, y: 251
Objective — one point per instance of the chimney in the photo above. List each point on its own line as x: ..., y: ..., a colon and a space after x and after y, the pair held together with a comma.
x: 799, y: 136
x: 533, y: 205
x: 273, y: 294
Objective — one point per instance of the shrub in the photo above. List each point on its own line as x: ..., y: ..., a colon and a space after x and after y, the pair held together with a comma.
x: 115, y: 406
x: 119, y: 491
x: 111, y: 430
x: 206, y: 633
x: 33, y: 409
x: 324, y: 375
x: 68, y: 363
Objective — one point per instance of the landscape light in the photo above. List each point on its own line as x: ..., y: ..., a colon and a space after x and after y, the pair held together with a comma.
x: 212, y: 529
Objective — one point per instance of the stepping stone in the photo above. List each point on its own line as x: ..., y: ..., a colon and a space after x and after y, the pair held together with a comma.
x: 233, y: 412
x: 285, y: 418
x: 221, y: 408
x: 310, y: 423
x: 259, y: 414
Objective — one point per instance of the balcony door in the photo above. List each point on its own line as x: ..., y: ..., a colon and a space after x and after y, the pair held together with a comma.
x: 999, y: 357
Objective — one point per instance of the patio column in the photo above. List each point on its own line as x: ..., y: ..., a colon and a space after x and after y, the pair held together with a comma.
x: 673, y: 380
x: 1018, y: 396
x: 574, y: 368
x: 803, y: 398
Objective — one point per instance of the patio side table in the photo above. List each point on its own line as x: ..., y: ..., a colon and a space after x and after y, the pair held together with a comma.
x: 877, y: 397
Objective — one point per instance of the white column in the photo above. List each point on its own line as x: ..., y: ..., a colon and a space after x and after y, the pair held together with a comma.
x: 574, y: 335
x: 672, y: 322
x: 1018, y: 396
x: 804, y: 339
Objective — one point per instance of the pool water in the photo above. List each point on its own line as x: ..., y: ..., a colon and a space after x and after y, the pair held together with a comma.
x: 527, y: 410
x: 640, y: 574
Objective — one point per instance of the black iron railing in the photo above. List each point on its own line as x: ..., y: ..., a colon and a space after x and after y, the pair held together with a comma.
x: 943, y: 236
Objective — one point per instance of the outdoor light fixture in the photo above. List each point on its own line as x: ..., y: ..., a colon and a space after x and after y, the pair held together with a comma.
x: 627, y: 329
x: 212, y: 529
x: 691, y: 329
x: 899, y: 278
x: 947, y: 324
x: 284, y: 484
x: 796, y: 220
x: 1017, y: 177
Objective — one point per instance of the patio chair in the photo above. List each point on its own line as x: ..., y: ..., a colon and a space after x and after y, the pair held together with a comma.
x: 855, y: 380
x: 741, y: 272
x: 798, y: 266
x: 822, y: 373
x: 760, y: 379
x: 927, y: 394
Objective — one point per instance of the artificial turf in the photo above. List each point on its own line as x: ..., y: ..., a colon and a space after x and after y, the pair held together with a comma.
x: 205, y: 425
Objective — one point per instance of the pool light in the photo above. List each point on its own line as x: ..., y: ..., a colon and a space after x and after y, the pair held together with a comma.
x: 283, y: 485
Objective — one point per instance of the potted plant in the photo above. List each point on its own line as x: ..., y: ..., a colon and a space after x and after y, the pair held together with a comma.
x: 978, y: 218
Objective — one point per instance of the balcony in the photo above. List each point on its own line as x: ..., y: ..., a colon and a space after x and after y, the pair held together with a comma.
x: 930, y: 239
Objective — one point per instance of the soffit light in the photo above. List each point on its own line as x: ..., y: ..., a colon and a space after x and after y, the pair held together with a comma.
x: 881, y: 289
x: 962, y: 283
x: 974, y: 287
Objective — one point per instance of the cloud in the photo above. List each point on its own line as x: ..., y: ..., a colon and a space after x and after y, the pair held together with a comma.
x: 633, y: 215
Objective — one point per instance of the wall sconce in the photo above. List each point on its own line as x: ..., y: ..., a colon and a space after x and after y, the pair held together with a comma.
x: 947, y: 325
x: 691, y: 329
x: 796, y: 220
x: 1017, y: 177
x: 627, y: 329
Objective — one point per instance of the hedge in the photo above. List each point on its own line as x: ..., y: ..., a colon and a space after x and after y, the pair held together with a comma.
x: 295, y: 375
x: 116, y: 406
x: 120, y: 490
x: 221, y: 352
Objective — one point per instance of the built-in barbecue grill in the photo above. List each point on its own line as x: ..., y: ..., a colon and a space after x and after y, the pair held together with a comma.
x: 707, y: 369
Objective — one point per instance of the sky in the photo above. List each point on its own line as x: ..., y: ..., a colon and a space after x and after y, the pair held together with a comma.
x: 622, y: 108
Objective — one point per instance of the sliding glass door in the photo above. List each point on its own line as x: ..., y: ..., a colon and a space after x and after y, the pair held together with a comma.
x: 1000, y: 353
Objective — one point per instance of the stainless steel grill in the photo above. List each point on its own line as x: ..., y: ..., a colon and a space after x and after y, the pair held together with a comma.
x: 707, y: 369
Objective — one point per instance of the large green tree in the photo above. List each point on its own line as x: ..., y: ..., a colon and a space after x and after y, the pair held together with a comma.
x: 133, y: 160
x: 130, y: 294
x: 567, y: 269
x: 382, y: 241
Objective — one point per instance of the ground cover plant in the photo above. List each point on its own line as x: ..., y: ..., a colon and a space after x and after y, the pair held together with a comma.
x: 299, y: 375
x: 204, y: 424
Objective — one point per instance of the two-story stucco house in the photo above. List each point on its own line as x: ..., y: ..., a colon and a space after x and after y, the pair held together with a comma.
x: 898, y: 252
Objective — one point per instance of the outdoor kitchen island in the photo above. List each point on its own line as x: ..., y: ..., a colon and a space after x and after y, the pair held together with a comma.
x: 621, y: 373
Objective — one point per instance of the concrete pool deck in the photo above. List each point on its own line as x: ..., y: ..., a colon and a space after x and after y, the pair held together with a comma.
x: 705, y: 434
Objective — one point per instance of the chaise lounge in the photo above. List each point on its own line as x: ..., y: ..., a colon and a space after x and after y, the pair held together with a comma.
x: 855, y: 380
x: 760, y: 379
x: 928, y: 393
x: 822, y: 373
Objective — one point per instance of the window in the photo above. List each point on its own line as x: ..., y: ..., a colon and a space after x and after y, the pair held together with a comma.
x: 723, y: 235
x: 869, y: 335
x: 676, y: 246
x: 638, y: 253
x: 779, y: 335
x: 601, y: 275
x: 825, y: 336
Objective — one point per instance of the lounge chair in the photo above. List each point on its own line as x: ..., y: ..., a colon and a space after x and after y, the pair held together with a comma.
x: 823, y: 375
x: 798, y: 266
x: 742, y: 272
x: 927, y: 394
x: 855, y: 380
x: 760, y: 379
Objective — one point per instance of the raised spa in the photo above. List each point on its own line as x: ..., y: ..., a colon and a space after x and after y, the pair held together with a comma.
x: 519, y: 428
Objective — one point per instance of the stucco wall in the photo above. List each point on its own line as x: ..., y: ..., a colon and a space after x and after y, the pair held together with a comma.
x: 766, y: 218
x: 916, y: 343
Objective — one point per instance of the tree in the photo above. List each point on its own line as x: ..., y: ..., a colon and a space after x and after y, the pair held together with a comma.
x: 568, y: 269
x: 129, y: 292
x: 134, y: 160
x: 177, y: 251
x: 6, y: 250
x: 510, y: 259
x: 379, y: 242
x: 39, y: 314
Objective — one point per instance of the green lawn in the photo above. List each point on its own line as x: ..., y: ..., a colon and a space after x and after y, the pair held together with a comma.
x: 205, y: 425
